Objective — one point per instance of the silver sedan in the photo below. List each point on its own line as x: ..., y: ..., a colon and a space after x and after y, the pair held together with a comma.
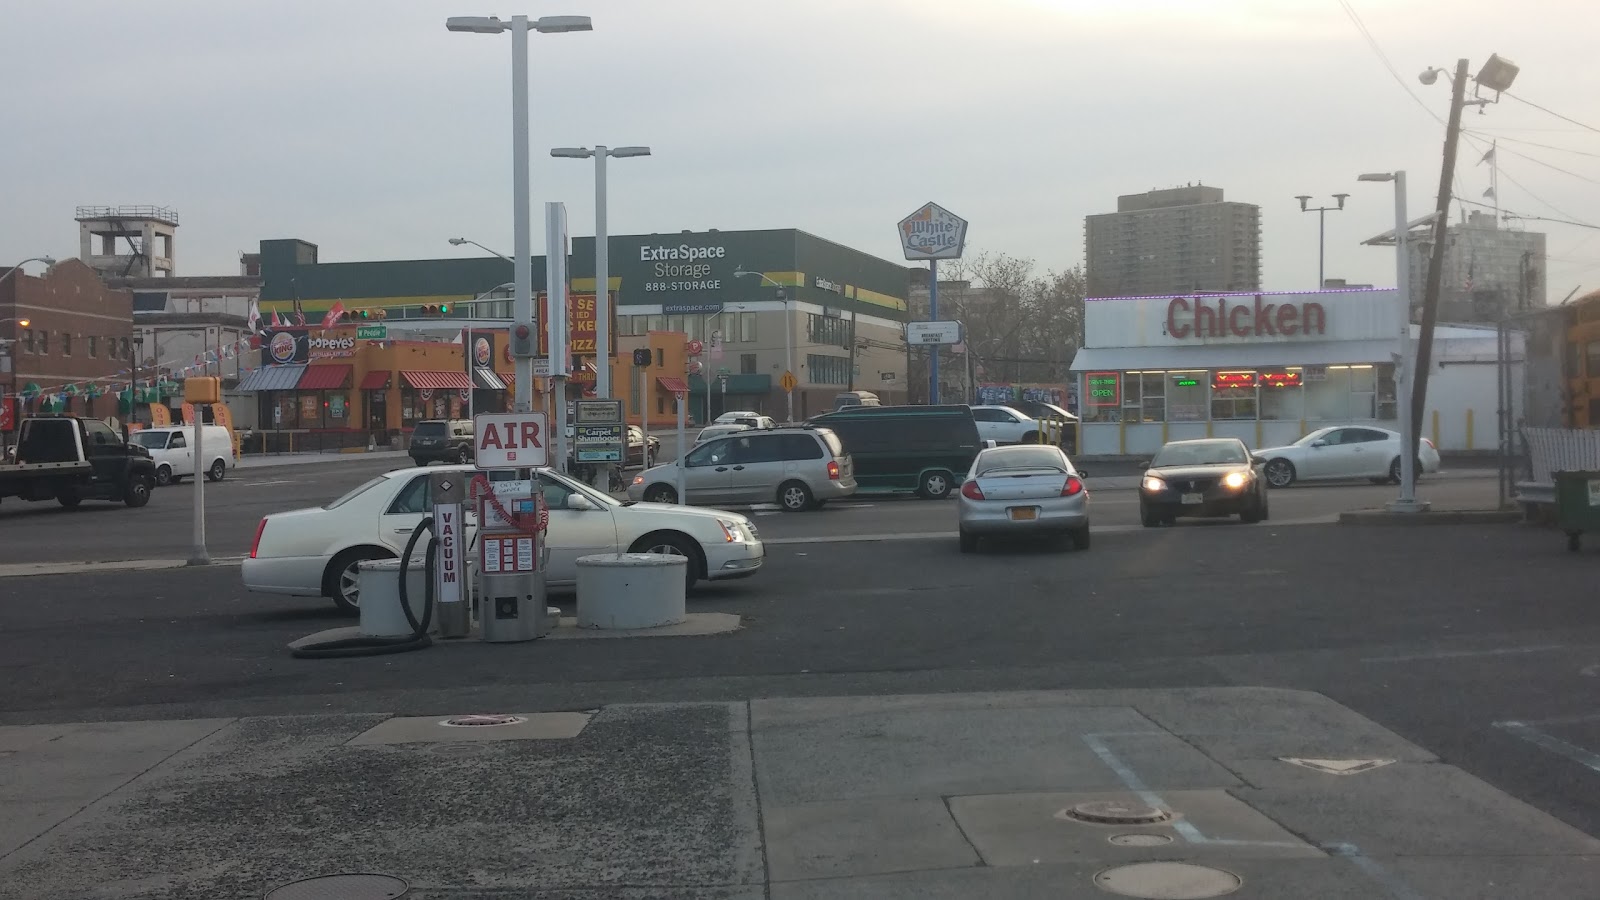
x: 1023, y: 491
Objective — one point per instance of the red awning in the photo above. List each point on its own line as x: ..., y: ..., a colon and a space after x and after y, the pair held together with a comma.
x: 324, y: 378
x: 510, y: 378
x: 376, y: 380
x: 675, y: 385
x: 436, y: 381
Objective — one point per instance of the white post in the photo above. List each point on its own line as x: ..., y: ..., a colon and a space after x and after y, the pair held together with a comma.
x: 522, y: 226
x: 198, y: 556
x: 1407, y: 501
x: 645, y: 395
x: 683, y: 416
x: 788, y: 351
x: 602, y: 280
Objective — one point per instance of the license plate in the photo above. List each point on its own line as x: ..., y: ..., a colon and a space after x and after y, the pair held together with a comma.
x: 1193, y: 499
x: 1023, y: 513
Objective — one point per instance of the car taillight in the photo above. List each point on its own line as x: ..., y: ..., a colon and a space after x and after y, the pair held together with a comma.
x: 833, y: 470
x: 1073, y: 487
x: 256, y: 544
x: 971, y: 491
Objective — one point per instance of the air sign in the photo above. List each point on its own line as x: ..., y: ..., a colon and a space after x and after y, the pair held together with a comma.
x: 511, y: 440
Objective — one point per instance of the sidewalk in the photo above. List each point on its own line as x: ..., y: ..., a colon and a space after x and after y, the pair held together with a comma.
x: 301, y: 459
x: 1019, y: 795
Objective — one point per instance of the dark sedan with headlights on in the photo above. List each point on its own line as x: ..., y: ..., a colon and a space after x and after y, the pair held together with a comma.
x: 1211, y: 478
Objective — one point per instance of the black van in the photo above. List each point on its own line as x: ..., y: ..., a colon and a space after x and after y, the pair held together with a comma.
x: 897, y: 449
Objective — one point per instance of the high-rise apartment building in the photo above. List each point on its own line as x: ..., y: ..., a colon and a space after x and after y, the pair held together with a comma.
x: 1173, y: 241
x: 1488, y: 270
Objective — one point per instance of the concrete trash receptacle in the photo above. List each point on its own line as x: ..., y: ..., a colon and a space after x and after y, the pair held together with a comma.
x: 380, y: 597
x: 631, y: 590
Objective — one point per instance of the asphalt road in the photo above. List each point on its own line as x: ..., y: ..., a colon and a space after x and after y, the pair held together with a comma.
x: 45, y: 532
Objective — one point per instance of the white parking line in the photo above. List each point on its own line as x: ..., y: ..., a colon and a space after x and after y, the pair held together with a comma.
x: 1583, y: 756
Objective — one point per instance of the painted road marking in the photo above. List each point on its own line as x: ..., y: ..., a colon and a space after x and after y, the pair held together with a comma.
x: 1337, y: 766
x: 1583, y: 756
x: 266, y: 483
x: 1460, y: 654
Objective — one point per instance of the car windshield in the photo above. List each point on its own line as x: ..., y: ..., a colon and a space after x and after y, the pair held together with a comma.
x: 356, y: 492
x: 572, y: 486
x: 1200, y: 453
x: 429, y: 429
x: 1016, y: 458
x: 151, y: 440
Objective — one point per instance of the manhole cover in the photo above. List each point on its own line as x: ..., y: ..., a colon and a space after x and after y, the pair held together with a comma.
x: 1139, y: 840
x: 1167, y: 881
x: 1115, y: 812
x: 352, y: 886
x: 481, y: 721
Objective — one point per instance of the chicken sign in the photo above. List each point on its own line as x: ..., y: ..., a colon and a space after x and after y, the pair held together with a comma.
x: 511, y: 440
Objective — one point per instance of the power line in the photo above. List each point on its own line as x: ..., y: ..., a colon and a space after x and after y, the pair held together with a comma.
x: 1506, y: 213
x: 1372, y: 42
x: 1548, y: 110
x: 1498, y: 137
x: 1543, y: 202
x: 1540, y: 162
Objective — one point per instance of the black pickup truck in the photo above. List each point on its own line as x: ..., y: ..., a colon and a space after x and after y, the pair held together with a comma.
x: 70, y: 459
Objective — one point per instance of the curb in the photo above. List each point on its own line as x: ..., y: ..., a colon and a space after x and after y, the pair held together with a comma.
x: 1440, y: 517
x: 31, y: 570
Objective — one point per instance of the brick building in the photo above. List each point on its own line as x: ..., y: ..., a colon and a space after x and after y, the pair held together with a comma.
x: 73, y: 354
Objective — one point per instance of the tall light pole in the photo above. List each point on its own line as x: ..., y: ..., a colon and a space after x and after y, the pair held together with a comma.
x: 522, y: 264
x: 788, y: 341
x: 456, y: 242
x: 602, y: 256
x: 1404, y: 364
x: 1322, y: 231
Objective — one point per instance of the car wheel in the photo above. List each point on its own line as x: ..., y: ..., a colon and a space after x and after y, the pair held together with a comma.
x: 418, y: 461
x: 1031, y: 437
x: 1148, y: 517
x: 463, y: 456
x: 1080, y: 538
x: 969, y: 543
x: 1280, y: 473
x: 342, y: 580
x: 138, y: 492
x: 673, y: 544
x: 794, y: 496
x: 1253, y: 514
x: 660, y: 493
x: 164, y: 475
x: 218, y: 470
x: 1394, y: 471
x: 935, y: 486
x: 69, y: 500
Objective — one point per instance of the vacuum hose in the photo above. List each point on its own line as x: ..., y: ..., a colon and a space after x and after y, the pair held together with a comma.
x: 367, y: 645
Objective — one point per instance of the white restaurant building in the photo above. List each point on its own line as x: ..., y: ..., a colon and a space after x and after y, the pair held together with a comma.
x: 1269, y: 368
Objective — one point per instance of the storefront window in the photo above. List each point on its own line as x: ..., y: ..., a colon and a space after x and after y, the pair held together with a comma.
x: 1233, y: 395
x: 1186, y: 396
x: 658, y: 323
x: 1386, y: 392
x: 1153, y: 390
x: 1282, y: 397
x: 674, y: 323
x: 747, y: 327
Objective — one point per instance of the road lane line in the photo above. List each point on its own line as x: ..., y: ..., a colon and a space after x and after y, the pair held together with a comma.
x: 1580, y: 755
x: 1461, y: 654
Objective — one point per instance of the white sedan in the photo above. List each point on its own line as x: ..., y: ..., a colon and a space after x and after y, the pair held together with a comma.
x: 315, y: 552
x: 1352, y: 451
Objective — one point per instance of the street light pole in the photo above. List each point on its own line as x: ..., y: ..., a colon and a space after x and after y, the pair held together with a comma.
x: 1322, y: 232
x: 788, y: 341
x: 458, y: 241
x: 602, y: 256
x: 1407, y: 502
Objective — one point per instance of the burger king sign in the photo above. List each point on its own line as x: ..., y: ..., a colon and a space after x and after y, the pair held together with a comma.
x: 283, y: 348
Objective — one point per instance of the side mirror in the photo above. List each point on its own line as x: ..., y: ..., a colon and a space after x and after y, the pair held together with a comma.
x: 579, y: 502
x: 1319, y: 443
x: 1144, y: 464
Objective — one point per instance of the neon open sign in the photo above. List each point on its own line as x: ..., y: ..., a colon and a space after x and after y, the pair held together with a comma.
x: 1105, y: 388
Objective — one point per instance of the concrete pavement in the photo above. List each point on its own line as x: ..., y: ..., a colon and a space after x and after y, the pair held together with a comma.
x: 930, y: 796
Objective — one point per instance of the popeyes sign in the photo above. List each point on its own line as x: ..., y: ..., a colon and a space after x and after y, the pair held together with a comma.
x: 1200, y: 317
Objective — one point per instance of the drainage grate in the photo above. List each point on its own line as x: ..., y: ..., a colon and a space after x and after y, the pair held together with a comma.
x: 347, y: 886
x: 482, y: 721
x: 1115, y: 812
x: 1167, y: 881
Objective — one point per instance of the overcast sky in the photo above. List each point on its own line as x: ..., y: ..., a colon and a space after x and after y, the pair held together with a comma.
x: 366, y: 128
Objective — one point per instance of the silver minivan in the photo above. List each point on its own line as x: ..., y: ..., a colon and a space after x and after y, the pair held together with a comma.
x: 797, y: 468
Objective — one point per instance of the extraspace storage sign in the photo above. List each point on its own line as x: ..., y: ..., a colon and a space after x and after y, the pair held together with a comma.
x: 514, y: 440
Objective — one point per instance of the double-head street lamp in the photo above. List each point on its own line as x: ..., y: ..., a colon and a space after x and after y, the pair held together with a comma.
x: 1322, y: 231
x: 788, y: 341
x: 522, y: 227
x: 602, y: 255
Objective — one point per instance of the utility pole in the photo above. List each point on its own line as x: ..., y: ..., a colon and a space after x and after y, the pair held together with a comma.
x: 1430, y: 297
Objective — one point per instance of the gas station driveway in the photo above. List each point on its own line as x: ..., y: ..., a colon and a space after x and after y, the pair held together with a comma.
x: 1183, y: 660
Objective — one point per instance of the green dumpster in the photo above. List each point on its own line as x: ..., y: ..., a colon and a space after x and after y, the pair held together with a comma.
x: 1577, y: 504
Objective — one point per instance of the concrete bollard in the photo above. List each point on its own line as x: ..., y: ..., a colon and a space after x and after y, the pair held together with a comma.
x: 631, y: 590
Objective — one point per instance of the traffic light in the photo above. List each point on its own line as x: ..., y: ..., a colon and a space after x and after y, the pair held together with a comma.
x: 641, y: 357
x: 367, y: 315
x: 436, y: 309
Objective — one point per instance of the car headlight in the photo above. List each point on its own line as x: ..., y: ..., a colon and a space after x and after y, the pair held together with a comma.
x: 1154, y: 484
x: 732, y: 531
x: 1235, y: 480
x: 638, y: 479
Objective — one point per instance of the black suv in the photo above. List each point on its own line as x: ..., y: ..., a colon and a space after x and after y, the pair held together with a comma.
x: 442, y: 440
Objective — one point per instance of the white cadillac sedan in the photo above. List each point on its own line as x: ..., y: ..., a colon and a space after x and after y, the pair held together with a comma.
x: 314, y: 552
x: 1353, y: 451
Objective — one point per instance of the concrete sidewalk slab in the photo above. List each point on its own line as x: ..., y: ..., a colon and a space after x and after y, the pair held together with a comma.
x: 303, y: 459
x: 938, y: 796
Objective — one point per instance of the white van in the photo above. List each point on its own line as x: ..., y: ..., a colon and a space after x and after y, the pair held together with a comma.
x: 172, y: 448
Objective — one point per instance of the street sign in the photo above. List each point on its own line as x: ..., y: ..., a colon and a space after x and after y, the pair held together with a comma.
x: 597, y: 412
x: 541, y: 367
x: 371, y: 332
x: 598, y: 443
x: 933, y: 332
x: 933, y: 232
x: 511, y: 440
x: 787, y: 382
x: 693, y: 348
